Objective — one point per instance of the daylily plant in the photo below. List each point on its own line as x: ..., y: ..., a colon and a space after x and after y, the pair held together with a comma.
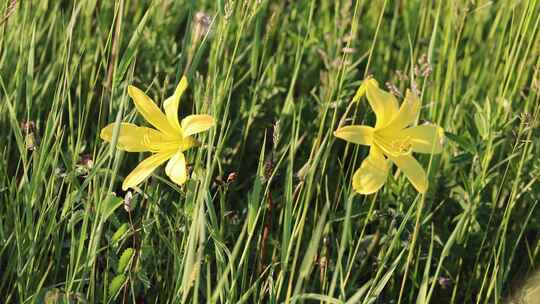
x: 167, y: 142
x: 390, y: 141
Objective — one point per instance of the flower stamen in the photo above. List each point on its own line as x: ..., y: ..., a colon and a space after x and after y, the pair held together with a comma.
x: 394, y: 146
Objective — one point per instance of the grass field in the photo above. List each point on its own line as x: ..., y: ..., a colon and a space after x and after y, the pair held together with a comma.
x: 268, y: 214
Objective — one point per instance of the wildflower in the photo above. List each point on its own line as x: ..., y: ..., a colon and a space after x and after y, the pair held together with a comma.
x: 167, y: 142
x: 390, y: 140
x: 128, y: 201
x: 86, y: 160
x: 232, y: 177
x: 31, y: 138
x: 202, y: 22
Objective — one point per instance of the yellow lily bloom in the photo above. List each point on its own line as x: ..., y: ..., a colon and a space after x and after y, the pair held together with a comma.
x: 391, y: 140
x: 167, y: 142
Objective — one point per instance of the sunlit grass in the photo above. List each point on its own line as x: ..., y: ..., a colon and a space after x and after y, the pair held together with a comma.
x: 268, y: 213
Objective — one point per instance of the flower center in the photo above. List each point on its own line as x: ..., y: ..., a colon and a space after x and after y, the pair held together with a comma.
x: 403, y: 146
x: 394, y: 146
x: 159, y: 142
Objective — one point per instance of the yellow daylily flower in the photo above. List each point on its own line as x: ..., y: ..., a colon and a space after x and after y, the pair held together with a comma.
x: 391, y: 140
x: 167, y: 141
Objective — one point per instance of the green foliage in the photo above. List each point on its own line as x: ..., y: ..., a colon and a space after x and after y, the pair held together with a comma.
x: 268, y: 214
x: 120, y: 232
x: 116, y: 283
x: 109, y: 205
x: 125, y: 260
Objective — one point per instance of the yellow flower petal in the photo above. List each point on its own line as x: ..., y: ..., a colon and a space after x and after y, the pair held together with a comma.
x: 150, y: 111
x: 408, y: 112
x: 189, y: 142
x: 194, y: 124
x: 384, y: 104
x: 131, y: 138
x: 176, y: 168
x: 361, y: 90
x: 171, y: 104
x: 372, y: 174
x: 362, y: 135
x: 145, y: 168
x: 425, y: 138
x: 413, y: 170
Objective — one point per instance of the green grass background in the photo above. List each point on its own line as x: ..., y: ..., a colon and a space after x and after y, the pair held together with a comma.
x: 278, y: 76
